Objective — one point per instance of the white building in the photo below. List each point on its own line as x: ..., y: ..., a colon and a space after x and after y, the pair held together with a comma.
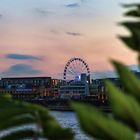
x: 76, y: 88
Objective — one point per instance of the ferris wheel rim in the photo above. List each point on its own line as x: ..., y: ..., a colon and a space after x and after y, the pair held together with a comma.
x: 79, y: 63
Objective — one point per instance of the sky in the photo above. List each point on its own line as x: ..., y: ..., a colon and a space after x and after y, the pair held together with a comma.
x: 38, y: 37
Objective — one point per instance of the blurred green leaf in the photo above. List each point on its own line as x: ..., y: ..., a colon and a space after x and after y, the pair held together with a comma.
x: 136, y: 5
x: 52, y: 130
x: 16, y: 113
x: 131, y: 42
x: 134, y: 10
x: 24, y: 134
x: 98, y: 125
x: 128, y: 80
x: 15, y: 121
x: 132, y: 26
x: 133, y: 13
x: 125, y: 107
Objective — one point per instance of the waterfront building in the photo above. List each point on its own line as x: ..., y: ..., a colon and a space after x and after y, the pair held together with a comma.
x: 75, y: 88
x: 56, y: 86
x: 97, y: 86
x: 26, y: 88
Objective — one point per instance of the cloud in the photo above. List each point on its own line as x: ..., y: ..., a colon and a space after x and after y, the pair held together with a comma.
x: 1, y: 15
x: 54, y: 31
x: 21, y: 69
x: 73, y: 33
x: 72, y: 5
x: 22, y: 57
x: 42, y: 12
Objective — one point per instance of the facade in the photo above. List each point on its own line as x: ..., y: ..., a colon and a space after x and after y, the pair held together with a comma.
x: 75, y: 88
x: 56, y: 86
x: 98, y: 85
x: 26, y: 87
x: 98, y: 88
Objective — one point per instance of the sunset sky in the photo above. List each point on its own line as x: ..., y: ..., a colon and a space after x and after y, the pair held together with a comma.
x: 38, y: 37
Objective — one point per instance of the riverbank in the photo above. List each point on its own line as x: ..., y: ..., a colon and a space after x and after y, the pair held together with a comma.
x: 64, y: 105
x: 67, y: 108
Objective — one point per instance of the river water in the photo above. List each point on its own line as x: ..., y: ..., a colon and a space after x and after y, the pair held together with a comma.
x: 68, y: 120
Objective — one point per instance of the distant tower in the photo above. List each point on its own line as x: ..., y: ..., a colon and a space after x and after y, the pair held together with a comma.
x: 88, y: 79
x: 83, y: 77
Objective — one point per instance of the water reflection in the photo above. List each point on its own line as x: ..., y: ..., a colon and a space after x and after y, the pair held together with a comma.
x: 68, y: 120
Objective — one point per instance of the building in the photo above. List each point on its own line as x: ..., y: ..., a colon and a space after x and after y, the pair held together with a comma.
x: 98, y: 85
x: 56, y: 86
x: 76, y: 88
x: 26, y: 88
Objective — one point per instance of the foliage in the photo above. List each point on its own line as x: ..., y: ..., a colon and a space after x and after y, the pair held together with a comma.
x: 132, y: 41
x: 100, y: 125
x: 124, y: 123
x: 16, y: 114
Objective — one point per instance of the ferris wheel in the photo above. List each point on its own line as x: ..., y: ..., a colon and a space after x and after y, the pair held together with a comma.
x: 74, y: 68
